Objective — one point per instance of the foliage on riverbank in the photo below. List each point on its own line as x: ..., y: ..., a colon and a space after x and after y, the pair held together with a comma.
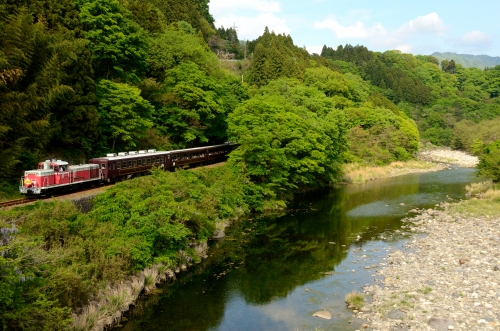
x: 55, y: 258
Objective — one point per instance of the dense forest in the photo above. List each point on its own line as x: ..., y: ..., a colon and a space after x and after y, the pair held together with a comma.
x: 80, y: 78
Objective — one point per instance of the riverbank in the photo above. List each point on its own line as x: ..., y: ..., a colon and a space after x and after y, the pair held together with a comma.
x: 447, y: 280
x: 428, y: 160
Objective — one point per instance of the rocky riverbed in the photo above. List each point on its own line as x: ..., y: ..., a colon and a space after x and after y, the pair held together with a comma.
x: 448, y: 279
x: 448, y: 156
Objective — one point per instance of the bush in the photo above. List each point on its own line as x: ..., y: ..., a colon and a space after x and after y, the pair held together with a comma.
x: 489, y: 161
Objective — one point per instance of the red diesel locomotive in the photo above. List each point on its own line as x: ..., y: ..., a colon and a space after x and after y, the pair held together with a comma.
x: 59, y: 176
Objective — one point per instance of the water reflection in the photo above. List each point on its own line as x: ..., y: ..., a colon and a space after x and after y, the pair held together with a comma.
x: 274, y: 274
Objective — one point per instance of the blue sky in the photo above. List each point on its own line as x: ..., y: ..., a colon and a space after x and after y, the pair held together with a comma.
x: 417, y: 27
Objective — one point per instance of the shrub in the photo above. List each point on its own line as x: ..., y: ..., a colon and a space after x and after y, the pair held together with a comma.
x: 355, y: 299
x: 489, y: 161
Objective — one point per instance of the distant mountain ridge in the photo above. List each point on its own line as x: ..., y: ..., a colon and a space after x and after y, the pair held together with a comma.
x: 469, y: 61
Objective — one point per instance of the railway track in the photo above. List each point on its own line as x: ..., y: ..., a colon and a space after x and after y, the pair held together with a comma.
x: 14, y: 202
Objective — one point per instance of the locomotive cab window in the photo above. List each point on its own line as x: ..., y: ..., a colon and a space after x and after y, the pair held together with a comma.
x: 103, y: 165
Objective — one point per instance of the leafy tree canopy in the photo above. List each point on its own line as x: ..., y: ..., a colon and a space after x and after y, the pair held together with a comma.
x: 117, y: 43
x: 125, y: 115
x: 289, y: 137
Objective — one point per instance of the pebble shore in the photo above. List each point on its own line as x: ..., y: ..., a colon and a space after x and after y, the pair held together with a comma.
x: 444, y: 155
x: 447, y: 280
x: 447, y: 277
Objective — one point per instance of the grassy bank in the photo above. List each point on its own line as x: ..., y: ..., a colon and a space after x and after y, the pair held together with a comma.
x: 55, y: 260
x: 358, y: 173
x: 484, y: 200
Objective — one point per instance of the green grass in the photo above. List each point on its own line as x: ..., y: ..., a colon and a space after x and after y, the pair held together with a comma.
x: 355, y: 299
x: 425, y: 290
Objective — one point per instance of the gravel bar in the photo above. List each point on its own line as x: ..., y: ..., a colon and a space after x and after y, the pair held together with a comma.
x: 448, y: 279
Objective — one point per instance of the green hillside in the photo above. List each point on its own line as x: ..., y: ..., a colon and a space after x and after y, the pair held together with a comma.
x: 468, y: 60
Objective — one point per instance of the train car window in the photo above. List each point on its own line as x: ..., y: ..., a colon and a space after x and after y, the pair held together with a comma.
x: 103, y: 165
x: 162, y: 159
x: 130, y: 164
x: 135, y: 163
x: 158, y: 159
x: 149, y: 160
x: 118, y: 165
x: 139, y: 162
x: 144, y: 161
x: 124, y: 164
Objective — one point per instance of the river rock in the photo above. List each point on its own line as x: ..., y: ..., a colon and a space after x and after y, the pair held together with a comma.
x: 441, y: 323
x: 395, y: 315
x: 497, y: 267
x: 323, y: 314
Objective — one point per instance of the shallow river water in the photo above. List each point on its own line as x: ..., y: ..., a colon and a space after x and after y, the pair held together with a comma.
x: 274, y: 274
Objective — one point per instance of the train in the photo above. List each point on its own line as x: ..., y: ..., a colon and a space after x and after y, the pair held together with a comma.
x: 57, y: 176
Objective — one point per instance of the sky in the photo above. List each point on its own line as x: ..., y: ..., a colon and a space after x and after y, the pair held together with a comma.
x: 417, y: 27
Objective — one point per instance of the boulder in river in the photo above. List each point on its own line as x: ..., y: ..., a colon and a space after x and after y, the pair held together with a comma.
x: 323, y: 314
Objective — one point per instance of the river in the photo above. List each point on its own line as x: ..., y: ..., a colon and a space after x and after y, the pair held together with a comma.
x: 274, y: 274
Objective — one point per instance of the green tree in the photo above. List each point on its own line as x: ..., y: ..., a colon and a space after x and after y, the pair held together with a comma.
x: 176, y: 46
x: 195, y: 12
x: 125, y: 115
x: 32, y: 76
x: 275, y: 56
x: 117, y: 43
x: 489, y: 161
x: 193, y: 111
x: 291, y: 137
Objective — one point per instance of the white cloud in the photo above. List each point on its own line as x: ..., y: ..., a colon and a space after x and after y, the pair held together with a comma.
x: 314, y: 49
x: 250, y: 28
x: 430, y: 23
x: 219, y: 7
x: 475, y: 39
x: 377, y: 36
x: 359, y: 30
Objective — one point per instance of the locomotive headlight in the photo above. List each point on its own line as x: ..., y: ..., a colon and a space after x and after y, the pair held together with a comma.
x: 27, y: 182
